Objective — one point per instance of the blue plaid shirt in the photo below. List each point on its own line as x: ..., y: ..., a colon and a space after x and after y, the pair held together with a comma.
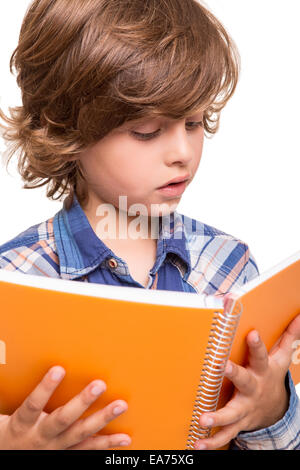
x: 191, y: 256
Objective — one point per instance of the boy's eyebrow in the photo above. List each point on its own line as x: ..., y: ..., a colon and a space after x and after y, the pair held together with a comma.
x: 135, y: 122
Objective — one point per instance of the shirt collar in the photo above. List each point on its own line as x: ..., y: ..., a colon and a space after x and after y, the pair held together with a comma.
x: 80, y: 251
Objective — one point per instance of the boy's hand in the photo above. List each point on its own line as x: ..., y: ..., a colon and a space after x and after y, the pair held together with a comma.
x: 31, y: 428
x: 260, y: 398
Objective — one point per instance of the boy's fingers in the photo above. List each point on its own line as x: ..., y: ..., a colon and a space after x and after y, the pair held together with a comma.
x: 31, y: 408
x: 229, y: 414
x: 220, y: 439
x: 85, y: 428
x: 102, y: 442
x: 284, y: 348
x: 63, y: 417
x: 258, y: 353
x: 240, y: 377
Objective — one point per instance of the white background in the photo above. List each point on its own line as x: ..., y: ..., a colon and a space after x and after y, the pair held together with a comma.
x: 247, y: 182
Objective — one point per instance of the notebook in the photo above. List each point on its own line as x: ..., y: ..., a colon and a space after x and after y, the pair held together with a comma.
x: 160, y: 351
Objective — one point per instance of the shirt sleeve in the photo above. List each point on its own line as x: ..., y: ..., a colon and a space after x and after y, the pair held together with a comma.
x: 251, y: 269
x: 283, y: 435
x: 3, y: 263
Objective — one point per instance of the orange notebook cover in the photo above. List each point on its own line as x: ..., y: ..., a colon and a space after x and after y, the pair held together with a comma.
x: 157, y: 350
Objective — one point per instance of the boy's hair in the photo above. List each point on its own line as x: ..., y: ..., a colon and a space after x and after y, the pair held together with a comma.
x: 85, y: 67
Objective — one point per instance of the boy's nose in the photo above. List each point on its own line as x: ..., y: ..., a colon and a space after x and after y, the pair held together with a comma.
x: 180, y: 149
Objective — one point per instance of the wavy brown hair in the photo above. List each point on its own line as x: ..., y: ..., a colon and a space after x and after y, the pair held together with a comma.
x: 85, y: 67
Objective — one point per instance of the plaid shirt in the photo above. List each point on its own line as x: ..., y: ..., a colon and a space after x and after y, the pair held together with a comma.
x: 191, y: 256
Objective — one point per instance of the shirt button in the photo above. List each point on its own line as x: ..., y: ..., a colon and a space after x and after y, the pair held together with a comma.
x: 112, y: 263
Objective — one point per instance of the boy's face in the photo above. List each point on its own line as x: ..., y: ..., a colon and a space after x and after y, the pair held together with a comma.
x: 122, y: 164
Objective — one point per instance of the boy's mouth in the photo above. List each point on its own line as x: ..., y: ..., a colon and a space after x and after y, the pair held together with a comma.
x: 170, y: 185
x: 175, y: 182
x: 173, y: 189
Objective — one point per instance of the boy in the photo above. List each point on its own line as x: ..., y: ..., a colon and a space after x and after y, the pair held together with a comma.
x: 116, y: 98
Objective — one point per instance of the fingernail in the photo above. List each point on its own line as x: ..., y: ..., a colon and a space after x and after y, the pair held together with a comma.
x: 255, y: 337
x: 97, y: 390
x: 207, y: 421
x: 119, y: 409
x: 124, y: 443
x: 229, y: 368
x: 57, y: 373
x: 200, y: 446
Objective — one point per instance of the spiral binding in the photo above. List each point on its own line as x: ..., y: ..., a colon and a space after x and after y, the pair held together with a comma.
x: 217, y: 352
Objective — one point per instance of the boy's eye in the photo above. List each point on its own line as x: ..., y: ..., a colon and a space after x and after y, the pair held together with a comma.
x: 143, y: 136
